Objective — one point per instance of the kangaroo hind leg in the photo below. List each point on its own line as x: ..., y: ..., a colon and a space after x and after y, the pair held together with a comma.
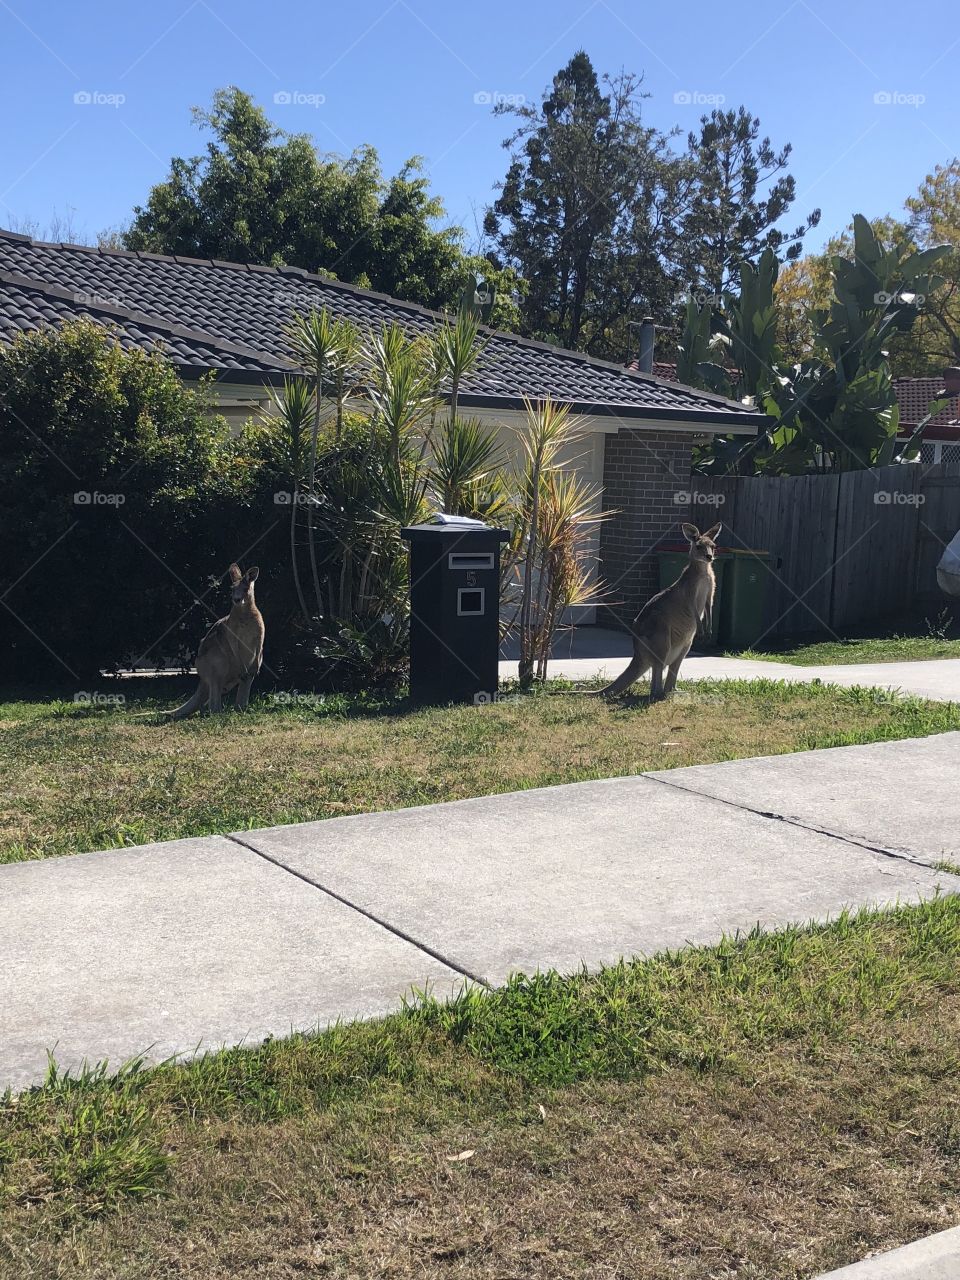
x: 656, y: 683
x: 243, y: 692
x: 673, y: 671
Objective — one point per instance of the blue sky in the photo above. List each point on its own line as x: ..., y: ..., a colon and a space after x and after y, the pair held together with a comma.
x: 405, y: 75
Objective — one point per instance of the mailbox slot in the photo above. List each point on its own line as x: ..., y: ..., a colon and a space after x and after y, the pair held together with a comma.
x: 470, y: 602
x: 470, y: 560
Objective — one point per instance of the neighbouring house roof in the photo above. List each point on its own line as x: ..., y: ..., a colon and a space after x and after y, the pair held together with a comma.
x: 914, y: 396
x: 218, y: 311
x: 661, y: 369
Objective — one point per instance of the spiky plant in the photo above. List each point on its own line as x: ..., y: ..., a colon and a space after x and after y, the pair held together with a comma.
x: 548, y: 429
x: 401, y: 390
x: 455, y: 350
x: 315, y: 340
x: 569, y: 512
x: 465, y: 453
x: 291, y: 413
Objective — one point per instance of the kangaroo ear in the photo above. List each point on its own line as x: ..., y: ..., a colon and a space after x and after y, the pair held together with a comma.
x: 690, y: 532
x: 235, y: 574
x: 714, y: 533
x: 251, y: 574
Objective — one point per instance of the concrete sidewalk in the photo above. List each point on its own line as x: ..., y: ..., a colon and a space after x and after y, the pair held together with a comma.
x: 936, y: 1257
x: 589, y: 653
x: 173, y: 948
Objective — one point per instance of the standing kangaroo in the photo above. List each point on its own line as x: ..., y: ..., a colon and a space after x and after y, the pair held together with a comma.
x: 231, y: 652
x: 664, y: 629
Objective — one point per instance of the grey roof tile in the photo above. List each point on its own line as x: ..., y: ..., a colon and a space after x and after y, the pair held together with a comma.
x: 248, y: 307
x: 27, y: 304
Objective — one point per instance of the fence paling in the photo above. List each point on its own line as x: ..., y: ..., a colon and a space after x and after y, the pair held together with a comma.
x: 849, y: 547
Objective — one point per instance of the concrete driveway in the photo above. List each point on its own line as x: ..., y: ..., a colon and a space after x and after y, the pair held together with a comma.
x: 588, y: 653
x: 173, y: 948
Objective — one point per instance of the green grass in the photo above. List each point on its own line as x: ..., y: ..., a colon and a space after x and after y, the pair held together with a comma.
x: 75, y: 778
x: 658, y: 1116
x: 908, y: 642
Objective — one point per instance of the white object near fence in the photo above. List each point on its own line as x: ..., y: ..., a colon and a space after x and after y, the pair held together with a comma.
x: 948, y: 570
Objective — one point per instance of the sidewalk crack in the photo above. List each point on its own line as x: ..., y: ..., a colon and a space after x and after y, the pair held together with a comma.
x: 896, y: 855
x: 369, y: 915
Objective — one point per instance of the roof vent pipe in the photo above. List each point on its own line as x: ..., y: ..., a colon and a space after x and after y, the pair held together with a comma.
x: 648, y: 335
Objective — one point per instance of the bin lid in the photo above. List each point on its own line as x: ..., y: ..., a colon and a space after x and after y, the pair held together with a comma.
x: 674, y: 548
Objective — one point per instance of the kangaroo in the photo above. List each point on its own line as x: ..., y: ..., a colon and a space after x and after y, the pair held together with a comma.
x: 231, y: 652
x: 664, y: 629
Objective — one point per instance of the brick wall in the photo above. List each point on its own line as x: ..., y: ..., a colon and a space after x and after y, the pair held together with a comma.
x: 642, y: 471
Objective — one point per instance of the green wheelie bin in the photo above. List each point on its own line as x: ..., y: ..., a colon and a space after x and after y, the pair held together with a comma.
x: 743, y: 602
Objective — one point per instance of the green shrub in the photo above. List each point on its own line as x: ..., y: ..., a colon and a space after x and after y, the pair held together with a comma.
x: 125, y: 498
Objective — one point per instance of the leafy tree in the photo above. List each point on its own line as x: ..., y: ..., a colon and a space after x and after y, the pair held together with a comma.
x: 933, y: 218
x: 930, y: 218
x: 606, y: 221
x: 261, y: 195
x: 731, y: 213
x: 579, y: 215
x: 805, y: 287
x: 835, y: 408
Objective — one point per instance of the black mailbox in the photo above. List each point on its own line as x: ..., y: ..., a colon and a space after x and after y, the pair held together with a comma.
x: 454, y: 611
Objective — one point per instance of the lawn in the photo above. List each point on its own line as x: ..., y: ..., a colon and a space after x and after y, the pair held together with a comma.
x: 769, y: 1107
x: 80, y: 777
x: 910, y: 642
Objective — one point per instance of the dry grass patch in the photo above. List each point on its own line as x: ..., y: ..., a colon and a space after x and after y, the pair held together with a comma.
x: 80, y: 778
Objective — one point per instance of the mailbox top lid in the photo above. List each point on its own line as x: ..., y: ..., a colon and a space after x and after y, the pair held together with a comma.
x: 474, y: 533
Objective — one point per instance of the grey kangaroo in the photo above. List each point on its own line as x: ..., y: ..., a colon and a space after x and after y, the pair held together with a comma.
x: 231, y: 652
x: 664, y: 629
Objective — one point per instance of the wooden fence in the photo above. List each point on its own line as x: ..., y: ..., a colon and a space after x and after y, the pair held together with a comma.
x: 848, y: 548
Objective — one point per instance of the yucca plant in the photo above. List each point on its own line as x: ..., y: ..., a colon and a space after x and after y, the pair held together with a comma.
x: 541, y: 527
x: 291, y: 414
x: 569, y: 511
x: 401, y: 391
x: 315, y: 340
x: 548, y: 428
x: 344, y: 371
x: 454, y: 351
x: 465, y: 454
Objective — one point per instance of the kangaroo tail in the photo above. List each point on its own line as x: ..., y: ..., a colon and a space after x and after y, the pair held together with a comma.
x: 639, y: 664
x: 190, y: 705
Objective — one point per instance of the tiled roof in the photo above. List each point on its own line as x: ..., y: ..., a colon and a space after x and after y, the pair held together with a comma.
x: 29, y: 304
x: 661, y: 369
x: 914, y: 396
x: 250, y: 306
